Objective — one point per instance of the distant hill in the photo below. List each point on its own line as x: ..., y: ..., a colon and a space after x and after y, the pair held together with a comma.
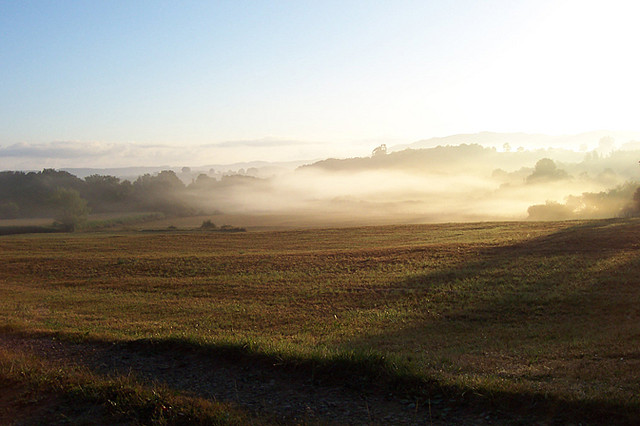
x: 446, y: 160
x: 589, y: 140
x: 440, y: 158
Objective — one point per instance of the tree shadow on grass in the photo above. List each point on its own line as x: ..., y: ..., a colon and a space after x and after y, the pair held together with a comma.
x: 530, y: 313
x: 575, y: 266
x: 571, y: 272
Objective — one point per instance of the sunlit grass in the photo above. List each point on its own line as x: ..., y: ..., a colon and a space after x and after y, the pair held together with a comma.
x: 549, y: 308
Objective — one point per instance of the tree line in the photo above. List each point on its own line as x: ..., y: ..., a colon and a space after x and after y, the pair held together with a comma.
x: 61, y: 195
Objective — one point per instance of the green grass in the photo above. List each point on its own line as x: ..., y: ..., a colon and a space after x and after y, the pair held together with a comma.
x: 502, y: 309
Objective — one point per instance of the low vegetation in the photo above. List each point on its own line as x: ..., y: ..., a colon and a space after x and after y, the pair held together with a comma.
x: 530, y: 315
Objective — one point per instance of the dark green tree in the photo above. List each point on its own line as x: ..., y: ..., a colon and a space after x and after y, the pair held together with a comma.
x: 71, y: 208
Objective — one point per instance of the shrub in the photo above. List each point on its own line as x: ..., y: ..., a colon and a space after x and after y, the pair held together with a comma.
x: 207, y: 224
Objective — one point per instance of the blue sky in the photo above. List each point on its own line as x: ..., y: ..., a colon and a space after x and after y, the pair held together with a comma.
x: 334, y: 76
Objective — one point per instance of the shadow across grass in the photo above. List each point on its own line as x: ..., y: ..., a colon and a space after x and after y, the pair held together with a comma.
x: 38, y: 391
x: 364, y: 372
x: 523, y: 324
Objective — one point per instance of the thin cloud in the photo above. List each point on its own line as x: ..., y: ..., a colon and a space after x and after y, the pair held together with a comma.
x: 265, y: 142
x: 60, y: 149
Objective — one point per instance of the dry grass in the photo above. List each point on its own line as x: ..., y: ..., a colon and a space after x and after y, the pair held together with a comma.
x: 544, y: 308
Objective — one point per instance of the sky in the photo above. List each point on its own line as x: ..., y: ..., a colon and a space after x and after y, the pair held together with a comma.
x: 109, y: 83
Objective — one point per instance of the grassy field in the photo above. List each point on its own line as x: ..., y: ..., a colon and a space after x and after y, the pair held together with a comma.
x: 535, y: 311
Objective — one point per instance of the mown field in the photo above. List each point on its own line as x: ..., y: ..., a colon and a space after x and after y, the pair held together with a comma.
x: 512, y: 313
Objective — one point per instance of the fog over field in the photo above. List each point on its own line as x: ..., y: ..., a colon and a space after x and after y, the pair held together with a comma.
x: 446, y: 183
x: 408, y: 184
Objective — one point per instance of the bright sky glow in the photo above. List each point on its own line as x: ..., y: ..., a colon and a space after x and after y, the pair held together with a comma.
x: 338, y: 76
